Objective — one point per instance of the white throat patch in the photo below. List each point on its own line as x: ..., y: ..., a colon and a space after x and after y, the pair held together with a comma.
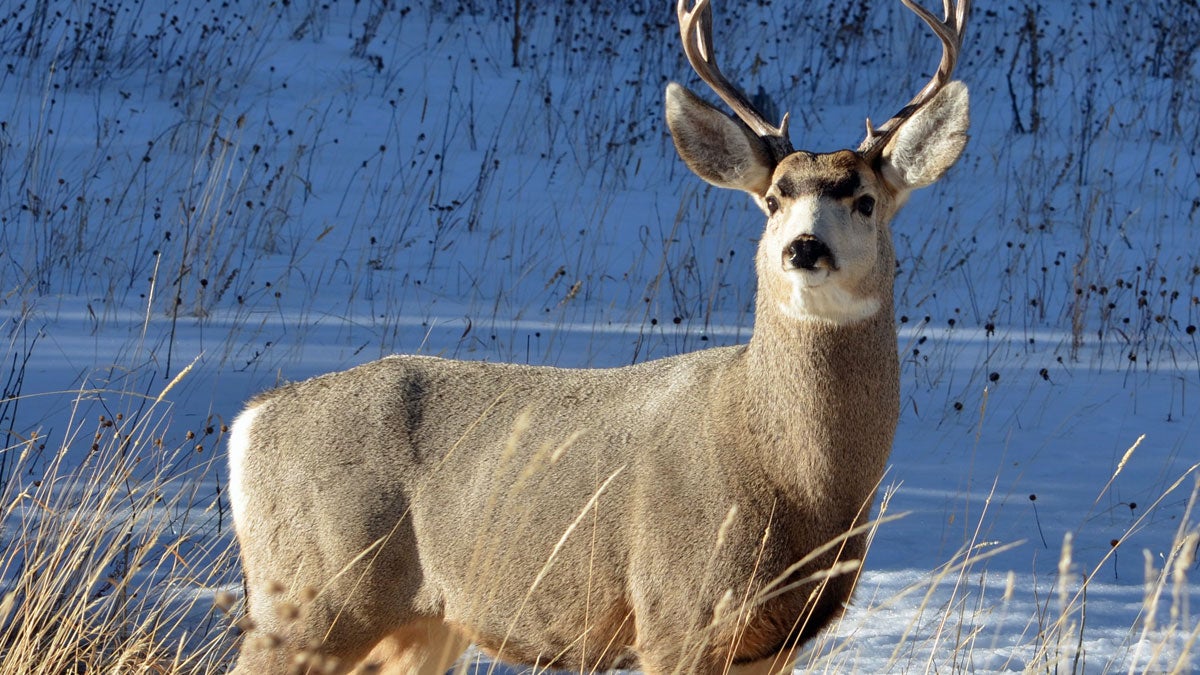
x: 825, y: 302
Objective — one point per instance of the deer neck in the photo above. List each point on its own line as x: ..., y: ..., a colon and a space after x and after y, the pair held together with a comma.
x: 821, y: 401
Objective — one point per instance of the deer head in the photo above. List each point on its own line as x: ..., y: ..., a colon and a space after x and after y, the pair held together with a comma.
x: 826, y: 253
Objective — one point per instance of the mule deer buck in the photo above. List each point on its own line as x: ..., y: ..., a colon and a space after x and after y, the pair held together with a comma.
x: 704, y: 513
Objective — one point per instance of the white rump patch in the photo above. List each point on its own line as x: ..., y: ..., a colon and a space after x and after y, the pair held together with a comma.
x: 239, y: 447
x: 825, y: 301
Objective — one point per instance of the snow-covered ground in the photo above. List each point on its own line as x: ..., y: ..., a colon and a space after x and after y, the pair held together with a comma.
x: 265, y: 192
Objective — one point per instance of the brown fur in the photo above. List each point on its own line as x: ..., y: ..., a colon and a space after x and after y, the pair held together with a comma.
x: 428, y: 493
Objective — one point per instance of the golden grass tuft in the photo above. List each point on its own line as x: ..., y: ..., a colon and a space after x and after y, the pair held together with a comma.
x: 114, y: 548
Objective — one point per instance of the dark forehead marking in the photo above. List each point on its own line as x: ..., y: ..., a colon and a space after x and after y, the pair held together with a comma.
x: 834, y: 186
x: 834, y: 176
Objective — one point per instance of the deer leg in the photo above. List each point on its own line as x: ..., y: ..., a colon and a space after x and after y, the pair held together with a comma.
x: 302, y: 646
x: 778, y: 664
x: 304, y: 631
x: 426, y: 647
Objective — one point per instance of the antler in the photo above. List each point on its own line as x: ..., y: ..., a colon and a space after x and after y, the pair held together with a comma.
x: 950, y: 31
x: 695, y: 27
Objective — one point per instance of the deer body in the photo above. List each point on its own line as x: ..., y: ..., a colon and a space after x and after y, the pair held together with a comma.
x: 430, y: 445
x: 694, y: 514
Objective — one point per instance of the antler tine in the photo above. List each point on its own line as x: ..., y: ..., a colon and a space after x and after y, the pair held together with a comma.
x: 950, y: 32
x: 695, y: 28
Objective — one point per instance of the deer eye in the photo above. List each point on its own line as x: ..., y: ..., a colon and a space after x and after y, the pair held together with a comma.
x: 772, y: 205
x: 865, y: 205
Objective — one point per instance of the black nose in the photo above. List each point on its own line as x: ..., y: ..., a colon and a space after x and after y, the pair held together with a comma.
x: 806, y: 253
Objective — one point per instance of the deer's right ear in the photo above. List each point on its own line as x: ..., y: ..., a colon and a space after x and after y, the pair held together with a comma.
x: 715, y: 146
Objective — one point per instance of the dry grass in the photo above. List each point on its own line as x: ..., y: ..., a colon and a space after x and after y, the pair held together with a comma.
x: 116, y: 567
x: 113, y: 547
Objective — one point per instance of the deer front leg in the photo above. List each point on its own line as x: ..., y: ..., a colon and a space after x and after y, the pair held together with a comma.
x: 783, y: 662
x: 426, y: 647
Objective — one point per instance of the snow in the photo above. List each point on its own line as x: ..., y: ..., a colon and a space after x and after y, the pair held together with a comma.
x: 312, y: 210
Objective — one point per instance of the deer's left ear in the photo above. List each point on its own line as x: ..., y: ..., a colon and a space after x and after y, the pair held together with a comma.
x: 927, y: 144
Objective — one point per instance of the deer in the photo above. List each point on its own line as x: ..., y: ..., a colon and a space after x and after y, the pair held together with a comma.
x: 703, y: 513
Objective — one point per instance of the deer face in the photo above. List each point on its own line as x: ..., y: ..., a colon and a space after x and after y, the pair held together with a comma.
x: 822, y: 255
